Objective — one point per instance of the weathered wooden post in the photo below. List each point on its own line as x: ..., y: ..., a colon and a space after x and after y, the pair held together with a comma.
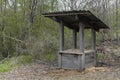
x: 81, y: 30
x: 61, y: 43
x: 61, y: 36
x: 74, y: 39
x: 93, y: 36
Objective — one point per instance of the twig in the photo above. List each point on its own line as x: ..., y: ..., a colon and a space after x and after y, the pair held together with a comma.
x: 14, y: 38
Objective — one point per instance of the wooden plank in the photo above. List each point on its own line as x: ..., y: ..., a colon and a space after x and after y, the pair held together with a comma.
x: 66, y: 14
x: 74, y: 39
x: 95, y: 59
x: 93, y: 45
x: 88, y: 60
x: 93, y: 39
x: 69, y: 61
x: 89, y: 56
x: 87, y: 65
x: 81, y: 27
x: 80, y: 62
x: 61, y: 36
x: 59, y: 60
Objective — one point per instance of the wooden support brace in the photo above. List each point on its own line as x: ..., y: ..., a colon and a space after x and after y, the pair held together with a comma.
x: 59, y: 60
x: 61, y: 44
x: 81, y: 27
x: 93, y: 39
x: 61, y: 36
x: 74, y: 39
x: 93, y: 45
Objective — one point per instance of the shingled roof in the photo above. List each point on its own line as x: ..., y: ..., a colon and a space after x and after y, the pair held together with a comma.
x: 71, y: 19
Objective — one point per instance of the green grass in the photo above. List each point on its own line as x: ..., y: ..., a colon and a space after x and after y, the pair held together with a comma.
x: 49, y: 57
x: 100, y: 56
x: 5, y: 66
x: 13, y: 62
x: 25, y: 59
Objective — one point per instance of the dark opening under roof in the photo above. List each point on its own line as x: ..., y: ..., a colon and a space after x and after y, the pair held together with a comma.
x: 71, y: 19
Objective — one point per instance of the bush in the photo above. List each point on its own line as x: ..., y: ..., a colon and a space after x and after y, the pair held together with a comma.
x: 5, y: 66
x: 100, y: 56
x: 13, y: 62
x: 46, y: 46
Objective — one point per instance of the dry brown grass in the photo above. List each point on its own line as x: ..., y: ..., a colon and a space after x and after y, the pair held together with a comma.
x: 40, y: 72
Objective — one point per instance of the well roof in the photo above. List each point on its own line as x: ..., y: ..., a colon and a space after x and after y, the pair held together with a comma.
x: 71, y: 19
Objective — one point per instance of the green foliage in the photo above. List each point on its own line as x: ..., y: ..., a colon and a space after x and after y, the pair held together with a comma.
x: 100, y: 56
x: 49, y: 57
x: 24, y: 59
x: 14, y: 62
x: 5, y: 66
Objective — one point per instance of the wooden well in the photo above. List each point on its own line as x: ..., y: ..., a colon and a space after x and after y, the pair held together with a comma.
x: 77, y: 21
x: 72, y: 59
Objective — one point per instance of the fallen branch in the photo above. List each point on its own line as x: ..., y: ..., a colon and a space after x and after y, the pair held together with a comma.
x: 14, y: 38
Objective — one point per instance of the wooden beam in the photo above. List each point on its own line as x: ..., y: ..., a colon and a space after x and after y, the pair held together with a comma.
x: 93, y: 38
x: 93, y: 45
x: 61, y: 36
x: 81, y: 27
x: 74, y: 39
x: 76, y: 17
x: 61, y: 44
x: 59, y: 60
x: 65, y: 14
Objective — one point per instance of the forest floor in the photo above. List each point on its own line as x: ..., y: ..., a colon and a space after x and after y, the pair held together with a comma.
x: 41, y: 72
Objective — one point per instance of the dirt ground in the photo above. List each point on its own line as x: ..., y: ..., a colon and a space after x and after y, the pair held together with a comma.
x: 40, y: 72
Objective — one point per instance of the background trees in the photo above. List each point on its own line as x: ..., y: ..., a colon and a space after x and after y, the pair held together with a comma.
x: 23, y: 30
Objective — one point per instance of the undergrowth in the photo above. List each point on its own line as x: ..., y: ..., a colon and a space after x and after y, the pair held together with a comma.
x: 48, y: 57
x: 14, y: 62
